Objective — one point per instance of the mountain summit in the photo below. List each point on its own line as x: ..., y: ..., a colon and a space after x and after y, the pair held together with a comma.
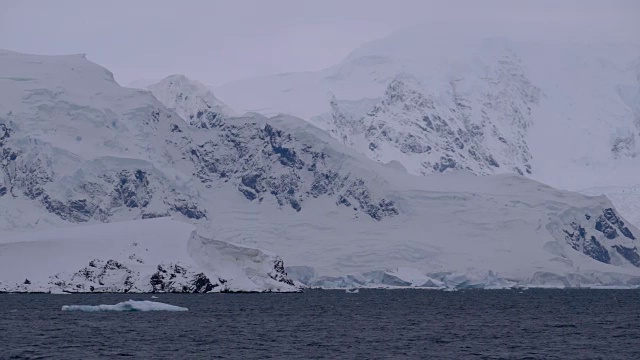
x: 191, y: 100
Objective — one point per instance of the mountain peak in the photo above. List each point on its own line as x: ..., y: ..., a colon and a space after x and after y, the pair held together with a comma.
x: 178, y: 79
x: 191, y: 100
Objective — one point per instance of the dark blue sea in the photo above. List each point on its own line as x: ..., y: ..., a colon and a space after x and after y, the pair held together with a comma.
x: 373, y: 324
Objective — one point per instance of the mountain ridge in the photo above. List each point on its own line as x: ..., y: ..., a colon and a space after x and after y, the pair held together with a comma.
x: 336, y: 218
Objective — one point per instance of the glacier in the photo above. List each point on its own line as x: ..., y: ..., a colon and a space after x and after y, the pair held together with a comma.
x: 108, y: 189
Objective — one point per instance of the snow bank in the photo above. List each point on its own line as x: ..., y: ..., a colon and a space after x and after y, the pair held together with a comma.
x: 130, y: 305
x: 142, y: 256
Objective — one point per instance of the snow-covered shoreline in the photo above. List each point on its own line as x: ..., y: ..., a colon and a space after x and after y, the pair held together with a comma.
x: 143, y: 256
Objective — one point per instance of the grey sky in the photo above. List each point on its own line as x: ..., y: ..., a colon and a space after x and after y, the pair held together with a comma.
x: 219, y: 41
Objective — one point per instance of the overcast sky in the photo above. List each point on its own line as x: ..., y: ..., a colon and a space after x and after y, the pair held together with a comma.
x: 220, y: 41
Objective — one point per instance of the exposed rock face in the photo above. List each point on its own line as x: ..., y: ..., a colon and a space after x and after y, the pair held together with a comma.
x: 175, y: 278
x: 608, y: 222
x: 132, y: 190
x: 6, y: 156
x: 428, y: 132
x: 279, y: 274
x: 98, y: 192
x: 631, y: 254
x: 577, y: 239
x: 263, y: 160
x: 603, y: 237
x: 4, y: 132
x: 98, y: 276
x: 113, y: 276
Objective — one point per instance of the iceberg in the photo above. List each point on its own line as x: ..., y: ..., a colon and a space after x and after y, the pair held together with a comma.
x: 130, y: 305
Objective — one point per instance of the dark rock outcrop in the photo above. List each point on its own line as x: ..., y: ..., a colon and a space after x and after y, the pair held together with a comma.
x: 631, y: 254
x: 98, y: 276
x: 279, y: 274
x: 175, y: 278
x: 599, y: 237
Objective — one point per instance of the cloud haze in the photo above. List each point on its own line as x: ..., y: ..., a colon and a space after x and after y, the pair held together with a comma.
x: 220, y: 41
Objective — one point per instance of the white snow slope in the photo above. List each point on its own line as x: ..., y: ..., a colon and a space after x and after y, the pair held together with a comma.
x: 78, y: 149
x: 564, y: 112
x: 155, y: 255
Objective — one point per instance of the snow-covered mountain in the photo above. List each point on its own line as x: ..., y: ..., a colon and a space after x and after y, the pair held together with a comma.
x: 428, y: 134
x: 192, y: 100
x: 564, y: 112
x: 79, y: 149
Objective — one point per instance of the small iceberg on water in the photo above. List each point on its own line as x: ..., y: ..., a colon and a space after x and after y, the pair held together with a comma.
x: 352, y: 291
x: 130, y: 305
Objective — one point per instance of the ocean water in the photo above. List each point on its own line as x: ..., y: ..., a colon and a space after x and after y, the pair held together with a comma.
x: 373, y: 324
